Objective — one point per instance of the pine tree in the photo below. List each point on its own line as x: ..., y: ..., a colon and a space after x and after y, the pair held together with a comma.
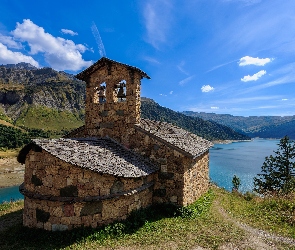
x: 278, y: 171
x: 236, y: 183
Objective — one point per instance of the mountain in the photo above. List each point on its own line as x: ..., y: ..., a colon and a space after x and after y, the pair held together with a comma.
x: 253, y: 126
x: 41, y: 98
x: 207, y: 129
x: 48, y: 100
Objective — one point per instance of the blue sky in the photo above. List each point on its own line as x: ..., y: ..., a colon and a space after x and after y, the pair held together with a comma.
x: 222, y: 56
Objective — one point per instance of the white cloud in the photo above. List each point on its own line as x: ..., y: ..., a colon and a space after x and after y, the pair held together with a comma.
x: 284, y: 99
x: 171, y: 92
x: 255, y: 77
x: 7, y: 56
x: 69, y: 32
x: 9, y: 42
x: 184, y: 81
x: 207, y: 88
x: 181, y: 69
x: 157, y: 19
x: 248, y: 60
x: 60, y: 54
x: 245, y: 2
x: 214, y: 107
x: 151, y: 60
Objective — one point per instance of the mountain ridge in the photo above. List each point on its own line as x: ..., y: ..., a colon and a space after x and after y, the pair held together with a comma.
x: 253, y: 126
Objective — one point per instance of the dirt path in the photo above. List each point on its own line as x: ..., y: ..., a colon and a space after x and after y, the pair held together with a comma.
x: 255, y: 238
x: 11, y: 172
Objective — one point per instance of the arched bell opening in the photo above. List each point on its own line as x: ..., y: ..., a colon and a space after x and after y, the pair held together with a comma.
x: 120, y: 91
x: 100, y: 93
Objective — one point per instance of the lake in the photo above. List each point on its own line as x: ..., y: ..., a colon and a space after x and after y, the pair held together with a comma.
x: 10, y: 193
x: 243, y: 159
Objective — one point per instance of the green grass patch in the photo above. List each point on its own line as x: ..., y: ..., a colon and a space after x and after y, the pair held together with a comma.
x: 42, y: 117
x: 274, y: 214
x: 160, y: 226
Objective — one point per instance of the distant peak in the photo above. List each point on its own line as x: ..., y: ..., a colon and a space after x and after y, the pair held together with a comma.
x: 21, y: 65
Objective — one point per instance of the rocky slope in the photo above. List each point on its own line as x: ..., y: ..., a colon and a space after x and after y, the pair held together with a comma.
x: 41, y: 98
x: 23, y: 86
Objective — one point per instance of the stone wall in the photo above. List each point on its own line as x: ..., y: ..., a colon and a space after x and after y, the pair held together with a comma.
x: 113, y: 117
x: 196, y: 179
x: 181, y: 179
x: 60, y: 196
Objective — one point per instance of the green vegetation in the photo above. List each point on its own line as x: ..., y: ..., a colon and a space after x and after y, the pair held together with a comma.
x: 253, y: 126
x: 12, y: 137
x: 161, y: 226
x: 206, y: 129
x: 42, y: 117
x: 164, y: 226
x: 236, y: 183
x: 278, y: 171
x: 274, y: 214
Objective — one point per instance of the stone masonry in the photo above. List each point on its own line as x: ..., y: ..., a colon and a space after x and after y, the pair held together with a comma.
x: 115, y: 163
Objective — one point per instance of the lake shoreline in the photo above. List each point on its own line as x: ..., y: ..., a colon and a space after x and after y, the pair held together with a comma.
x: 11, y: 172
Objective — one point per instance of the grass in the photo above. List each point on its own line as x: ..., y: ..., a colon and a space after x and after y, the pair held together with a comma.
x: 274, y: 214
x: 165, y: 227
x: 49, y: 119
x: 8, y: 153
x: 158, y: 227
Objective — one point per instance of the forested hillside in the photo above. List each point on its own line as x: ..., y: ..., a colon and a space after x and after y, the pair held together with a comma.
x: 207, y: 129
x: 253, y: 126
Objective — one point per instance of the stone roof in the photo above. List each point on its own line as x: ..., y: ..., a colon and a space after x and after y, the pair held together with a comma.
x: 100, y: 155
x: 182, y: 140
x: 106, y: 61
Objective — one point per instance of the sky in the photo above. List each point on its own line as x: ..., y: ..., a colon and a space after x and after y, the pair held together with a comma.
x: 216, y: 56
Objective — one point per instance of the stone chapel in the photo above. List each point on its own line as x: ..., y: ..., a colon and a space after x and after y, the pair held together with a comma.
x: 114, y: 164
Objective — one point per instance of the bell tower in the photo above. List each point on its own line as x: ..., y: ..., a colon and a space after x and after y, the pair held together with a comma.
x: 112, y: 99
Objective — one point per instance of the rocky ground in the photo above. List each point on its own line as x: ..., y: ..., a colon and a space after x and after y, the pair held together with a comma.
x: 11, y: 172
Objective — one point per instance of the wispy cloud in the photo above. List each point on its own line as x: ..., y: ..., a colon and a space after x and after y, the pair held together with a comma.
x: 181, y: 69
x: 284, y: 99
x: 157, y: 17
x: 283, y: 80
x: 69, y: 32
x: 207, y: 88
x: 184, y: 81
x: 248, y: 60
x: 245, y: 2
x: 246, y: 100
x: 214, y: 108
x: 220, y: 65
x: 255, y: 77
x: 265, y: 26
x: 151, y: 60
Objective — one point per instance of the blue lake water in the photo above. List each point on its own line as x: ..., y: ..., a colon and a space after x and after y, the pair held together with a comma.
x: 243, y: 159
x: 10, y: 193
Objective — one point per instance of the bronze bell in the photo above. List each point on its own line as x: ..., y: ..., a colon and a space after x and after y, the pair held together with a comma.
x: 102, y: 94
x: 121, y: 93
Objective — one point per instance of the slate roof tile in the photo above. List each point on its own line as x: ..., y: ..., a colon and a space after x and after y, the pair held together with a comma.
x: 183, y: 140
x: 101, y: 155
